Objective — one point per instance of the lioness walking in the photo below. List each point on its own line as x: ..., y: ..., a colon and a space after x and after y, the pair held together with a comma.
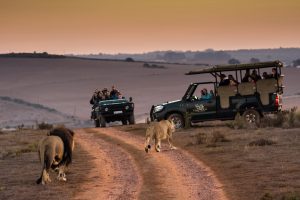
x: 158, y: 131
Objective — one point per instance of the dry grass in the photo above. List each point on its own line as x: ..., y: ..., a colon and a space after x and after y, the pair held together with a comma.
x: 286, y: 119
x: 247, y: 172
x: 20, y: 167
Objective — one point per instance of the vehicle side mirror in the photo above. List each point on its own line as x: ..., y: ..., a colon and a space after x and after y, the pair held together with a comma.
x: 130, y: 99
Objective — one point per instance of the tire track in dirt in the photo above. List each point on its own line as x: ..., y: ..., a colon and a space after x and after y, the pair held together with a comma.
x: 108, y: 179
x: 169, y: 174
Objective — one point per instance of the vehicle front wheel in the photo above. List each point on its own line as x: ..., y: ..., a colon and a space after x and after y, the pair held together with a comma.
x: 124, y: 121
x: 97, y: 123
x: 177, y: 119
x: 251, y: 117
x: 102, y: 122
x: 131, y: 119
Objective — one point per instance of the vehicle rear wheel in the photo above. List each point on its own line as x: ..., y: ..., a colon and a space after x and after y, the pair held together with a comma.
x: 131, y: 119
x: 251, y: 117
x: 177, y: 119
x: 97, y: 123
x: 102, y: 121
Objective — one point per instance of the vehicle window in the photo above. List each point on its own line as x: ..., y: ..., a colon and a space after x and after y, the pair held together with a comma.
x: 204, y: 92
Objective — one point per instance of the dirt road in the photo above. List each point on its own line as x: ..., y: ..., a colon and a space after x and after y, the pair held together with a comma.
x: 124, y: 171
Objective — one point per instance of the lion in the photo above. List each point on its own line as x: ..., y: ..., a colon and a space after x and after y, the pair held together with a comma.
x: 158, y: 131
x: 55, y: 152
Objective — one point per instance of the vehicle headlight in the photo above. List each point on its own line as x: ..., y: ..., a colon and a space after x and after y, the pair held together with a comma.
x: 97, y: 109
x: 158, y: 108
x: 106, y: 109
x: 126, y: 107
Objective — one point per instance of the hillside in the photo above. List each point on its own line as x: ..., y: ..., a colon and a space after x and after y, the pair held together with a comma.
x: 209, y: 56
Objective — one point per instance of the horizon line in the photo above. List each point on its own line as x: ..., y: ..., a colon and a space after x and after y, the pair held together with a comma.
x: 147, y: 52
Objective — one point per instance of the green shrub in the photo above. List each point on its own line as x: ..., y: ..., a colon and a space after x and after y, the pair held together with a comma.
x: 261, y: 142
x: 44, y: 126
x: 210, y: 139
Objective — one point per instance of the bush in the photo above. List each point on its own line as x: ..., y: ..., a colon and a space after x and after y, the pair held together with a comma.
x: 261, y: 142
x: 129, y: 59
x: 210, y: 138
x: 237, y: 123
x: 267, y: 196
x: 44, y: 126
x: 286, y: 119
x: 291, y: 196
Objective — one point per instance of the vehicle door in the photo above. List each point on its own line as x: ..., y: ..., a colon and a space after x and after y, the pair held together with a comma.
x: 201, y: 109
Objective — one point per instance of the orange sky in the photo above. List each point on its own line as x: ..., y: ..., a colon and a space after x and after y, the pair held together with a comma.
x: 112, y: 26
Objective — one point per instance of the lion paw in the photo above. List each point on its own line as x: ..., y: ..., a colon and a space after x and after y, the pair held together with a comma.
x: 173, y: 148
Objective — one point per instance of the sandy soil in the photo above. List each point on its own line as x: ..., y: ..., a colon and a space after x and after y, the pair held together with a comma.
x: 166, y: 175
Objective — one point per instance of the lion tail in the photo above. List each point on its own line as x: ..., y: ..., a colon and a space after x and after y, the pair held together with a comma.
x: 148, y: 139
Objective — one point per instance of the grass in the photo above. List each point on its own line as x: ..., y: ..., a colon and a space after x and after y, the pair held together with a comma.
x: 285, y: 119
x: 210, y: 139
x: 261, y: 163
x: 261, y: 142
x: 16, y: 143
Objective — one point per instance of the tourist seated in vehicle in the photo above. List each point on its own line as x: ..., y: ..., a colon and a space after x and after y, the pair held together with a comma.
x: 275, y: 74
x: 119, y: 95
x: 255, y: 76
x: 96, y: 97
x: 265, y: 75
x: 205, y: 95
x: 224, y: 80
x: 212, y: 94
x: 232, y: 81
x: 113, y: 93
x: 247, y: 77
x: 105, y: 94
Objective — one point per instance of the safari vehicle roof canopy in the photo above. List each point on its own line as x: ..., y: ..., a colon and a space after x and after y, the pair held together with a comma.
x: 222, y: 68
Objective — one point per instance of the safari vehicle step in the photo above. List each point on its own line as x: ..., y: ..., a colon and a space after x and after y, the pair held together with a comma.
x: 251, y: 99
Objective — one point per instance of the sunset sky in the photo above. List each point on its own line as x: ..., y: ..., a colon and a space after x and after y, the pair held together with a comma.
x: 136, y: 26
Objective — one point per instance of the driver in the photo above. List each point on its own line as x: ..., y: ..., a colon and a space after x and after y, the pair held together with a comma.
x: 205, y: 95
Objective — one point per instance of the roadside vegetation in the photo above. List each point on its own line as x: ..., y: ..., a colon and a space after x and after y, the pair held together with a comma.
x: 252, y: 163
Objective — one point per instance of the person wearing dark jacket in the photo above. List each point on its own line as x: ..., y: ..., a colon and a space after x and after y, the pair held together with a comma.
x: 96, y: 97
x: 247, y: 77
x: 274, y: 73
x: 113, y: 93
x: 224, y: 80
x: 254, y: 76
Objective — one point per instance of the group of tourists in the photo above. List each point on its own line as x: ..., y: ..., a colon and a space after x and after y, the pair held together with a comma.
x: 248, y: 77
x: 105, y: 94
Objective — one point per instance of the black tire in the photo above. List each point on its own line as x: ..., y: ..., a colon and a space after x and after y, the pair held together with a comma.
x: 102, y: 122
x: 131, y: 119
x: 97, y: 123
x: 177, y: 119
x: 251, y: 117
x: 124, y: 121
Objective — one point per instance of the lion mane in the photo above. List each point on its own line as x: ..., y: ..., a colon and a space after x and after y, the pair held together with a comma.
x: 66, y: 136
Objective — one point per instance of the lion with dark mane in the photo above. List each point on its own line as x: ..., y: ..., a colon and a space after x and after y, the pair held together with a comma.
x: 55, y: 152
